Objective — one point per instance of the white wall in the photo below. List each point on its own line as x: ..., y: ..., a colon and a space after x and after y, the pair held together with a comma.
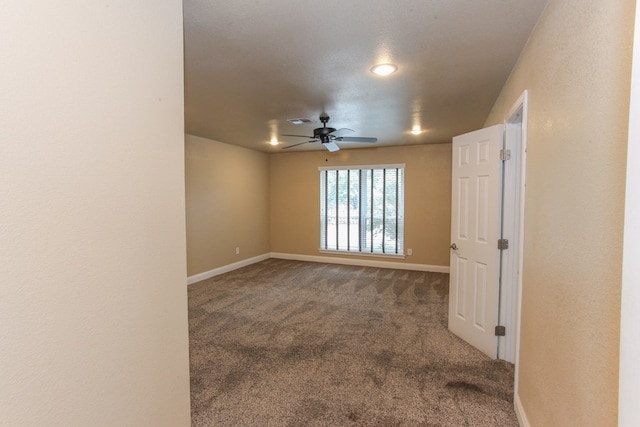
x: 93, y: 312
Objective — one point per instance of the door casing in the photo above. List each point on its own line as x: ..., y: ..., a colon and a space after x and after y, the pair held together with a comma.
x: 513, y: 226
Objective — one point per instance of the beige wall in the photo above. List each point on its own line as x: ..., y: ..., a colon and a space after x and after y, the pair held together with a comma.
x: 295, y: 198
x: 93, y: 312
x: 577, y: 69
x: 227, y: 193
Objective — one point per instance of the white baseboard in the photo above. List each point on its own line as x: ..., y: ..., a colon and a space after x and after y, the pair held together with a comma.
x: 522, y: 416
x: 225, y: 269
x: 330, y: 260
x: 363, y: 262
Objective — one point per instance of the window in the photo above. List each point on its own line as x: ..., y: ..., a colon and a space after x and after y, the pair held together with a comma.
x: 362, y: 209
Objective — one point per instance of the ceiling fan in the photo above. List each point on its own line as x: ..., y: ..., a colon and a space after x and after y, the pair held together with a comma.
x: 328, y: 136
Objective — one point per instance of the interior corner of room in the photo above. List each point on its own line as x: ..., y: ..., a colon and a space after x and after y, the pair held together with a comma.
x: 269, y: 204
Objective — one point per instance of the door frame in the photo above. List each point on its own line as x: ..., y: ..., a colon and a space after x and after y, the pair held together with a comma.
x: 515, y: 140
x: 629, y: 371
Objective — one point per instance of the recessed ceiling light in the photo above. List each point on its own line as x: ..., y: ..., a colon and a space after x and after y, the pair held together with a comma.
x: 274, y: 141
x: 384, y: 69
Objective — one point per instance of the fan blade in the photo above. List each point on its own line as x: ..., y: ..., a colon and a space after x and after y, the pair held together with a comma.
x: 331, y: 146
x: 299, y: 143
x: 339, y: 132
x: 356, y: 139
x: 301, y: 136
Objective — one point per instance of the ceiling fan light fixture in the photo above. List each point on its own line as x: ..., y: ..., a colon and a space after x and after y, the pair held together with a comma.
x: 274, y: 141
x: 416, y: 130
x: 384, y: 69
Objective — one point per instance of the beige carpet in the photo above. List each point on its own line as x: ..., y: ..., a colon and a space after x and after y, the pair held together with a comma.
x: 287, y: 343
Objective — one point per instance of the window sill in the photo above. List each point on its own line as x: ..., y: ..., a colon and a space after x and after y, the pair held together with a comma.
x: 361, y: 254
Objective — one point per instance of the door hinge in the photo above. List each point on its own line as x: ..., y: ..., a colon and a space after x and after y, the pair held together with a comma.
x: 503, y: 244
x: 505, y: 154
x: 501, y: 331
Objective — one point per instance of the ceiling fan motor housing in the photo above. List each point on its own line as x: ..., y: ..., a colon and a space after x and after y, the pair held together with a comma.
x: 320, y: 132
x: 323, y: 132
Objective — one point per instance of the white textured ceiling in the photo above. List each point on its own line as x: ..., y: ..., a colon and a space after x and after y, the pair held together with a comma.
x: 251, y: 65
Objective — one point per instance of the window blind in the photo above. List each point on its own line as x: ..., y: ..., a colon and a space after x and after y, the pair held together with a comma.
x: 362, y: 209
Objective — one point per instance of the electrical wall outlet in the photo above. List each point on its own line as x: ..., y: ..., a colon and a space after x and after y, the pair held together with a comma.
x: 409, y: 251
x: 238, y: 250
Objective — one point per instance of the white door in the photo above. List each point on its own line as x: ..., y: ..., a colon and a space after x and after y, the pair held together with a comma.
x: 475, y: 230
